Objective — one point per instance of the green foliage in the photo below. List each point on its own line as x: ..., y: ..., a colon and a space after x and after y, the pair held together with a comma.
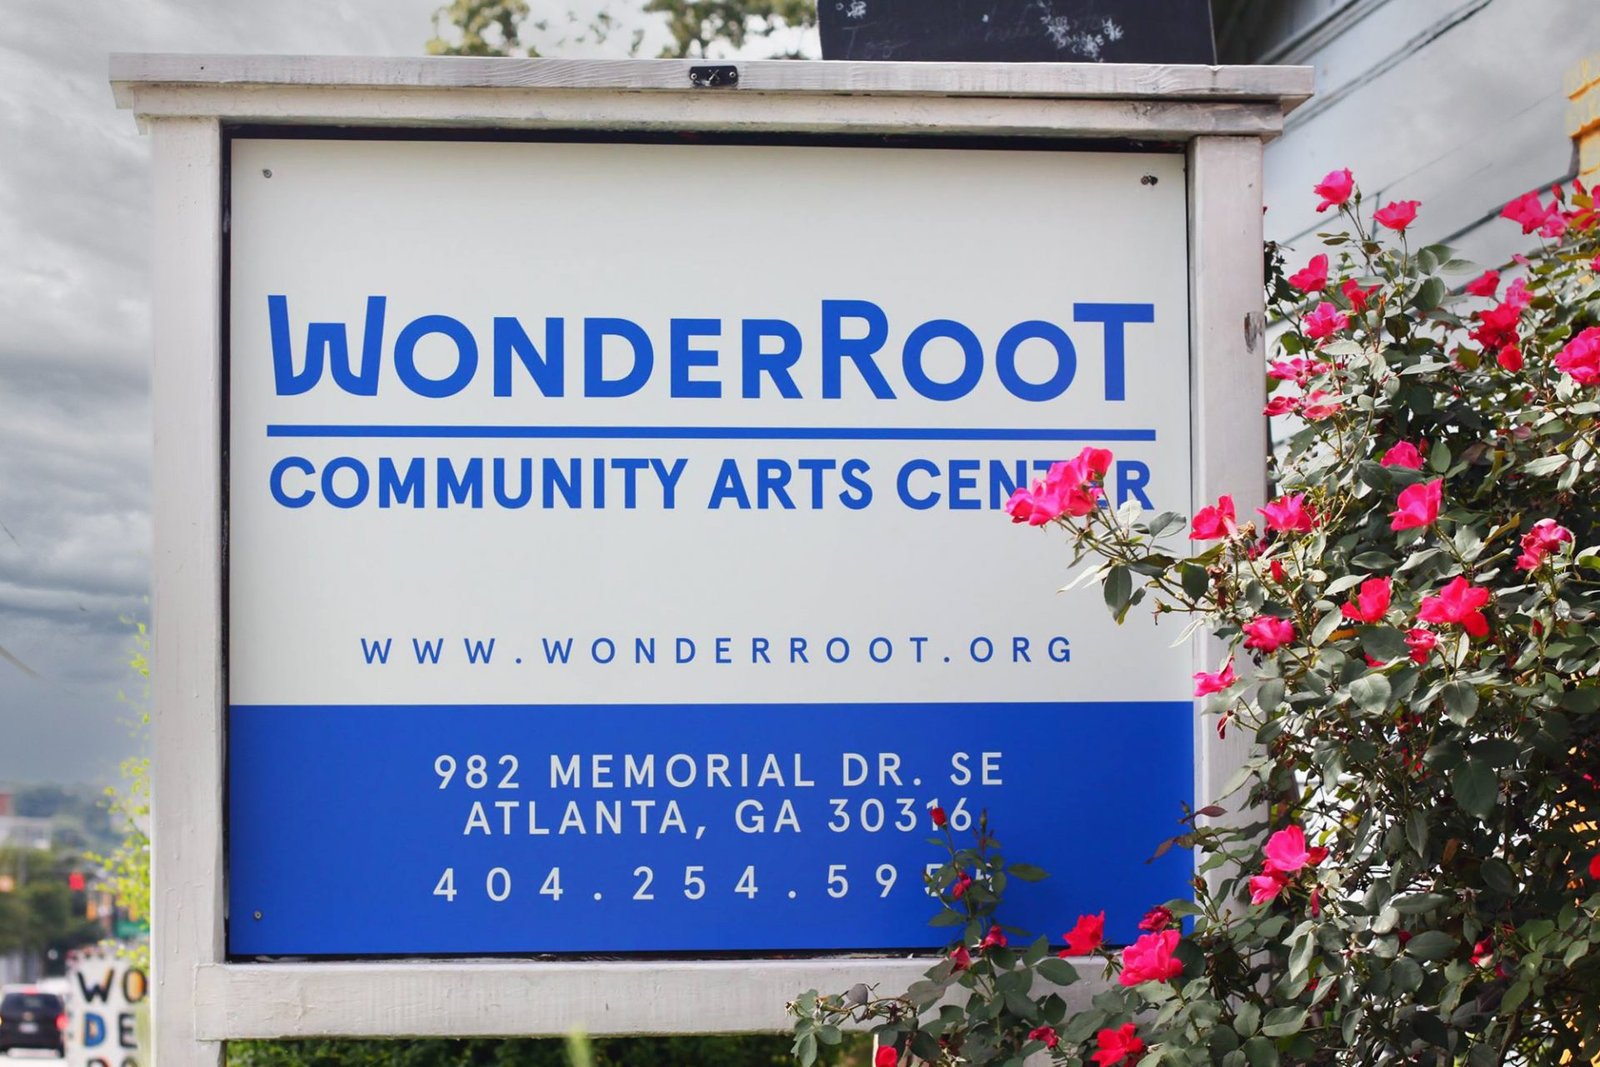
x: 1414, y: 633
x: 37, y: 914
x: 710, y: 1051
x: 698, y: 26
x: 981, y: 1003
x: 126, y: 869
x: 481, y: 28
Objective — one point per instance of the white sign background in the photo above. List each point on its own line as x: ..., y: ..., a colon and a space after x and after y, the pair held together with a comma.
x: 649, y: 232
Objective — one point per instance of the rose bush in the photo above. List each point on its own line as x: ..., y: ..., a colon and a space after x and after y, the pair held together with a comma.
x: 1412, y: 640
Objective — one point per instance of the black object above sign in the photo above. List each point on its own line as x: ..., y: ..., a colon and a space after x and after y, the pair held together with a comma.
x: 1018, y: 31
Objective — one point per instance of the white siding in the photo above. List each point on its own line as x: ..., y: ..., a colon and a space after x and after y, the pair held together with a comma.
x: 1457, y: 103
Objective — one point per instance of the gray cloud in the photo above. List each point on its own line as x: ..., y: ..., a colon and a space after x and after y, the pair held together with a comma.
x: 75, y: 334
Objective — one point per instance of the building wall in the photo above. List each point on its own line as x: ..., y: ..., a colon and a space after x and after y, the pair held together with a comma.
x: 1461, y: 104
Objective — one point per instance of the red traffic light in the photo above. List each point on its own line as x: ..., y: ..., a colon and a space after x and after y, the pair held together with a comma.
x: 75, y: 881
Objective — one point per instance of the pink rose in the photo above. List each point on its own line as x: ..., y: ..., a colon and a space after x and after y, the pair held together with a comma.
x: 1528, y: 211
x: 1206, y: 684
x: 962, y: 883
x: 1421, y: 643
x: 886, y: 1056
x: 960, y: 959
x: 1517, y: 295
x: 1580, y: 358
x: 1458, y: 602
x: 1294, y: 370
x: 1286, y: 851
x: 1312, y: 278
x: 1025, y: 505
x: 1497, y: 326
x: 1266, y: 886
x: 1150, y: 959
x: 1117, y: 1045
x: 1086, y: 935
x: 1045, y: 1034
x: 1288, y: 514
x: 1335, y: 189
x: 1320, y: 405
x: 1509, y: 358
x: 1355, y: 294
x: 1268, y: 633
x: 1281, y: 405
x: 1404, y: 454
x: 1484, y: 284
x: 1418, y: 505
x: 1546, y: 537
x: 1371, y: 603
x: 994, y: 938
x: 1214, y: 521
x: 1324, y: 321
x: 1397, y: 215
x: 1156, y: 919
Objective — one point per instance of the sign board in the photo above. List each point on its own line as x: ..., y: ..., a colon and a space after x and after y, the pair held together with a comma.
x: 579, y: 556
x: 106, y: 998
x: 1018, y: 31
x: 598, y: 583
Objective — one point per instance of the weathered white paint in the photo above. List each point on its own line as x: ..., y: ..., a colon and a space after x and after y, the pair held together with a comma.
x: 1285, y: 87
x: 1228, y: 386
x: 201, y: 1001
x: 503, y: 999
x: 186, y: 609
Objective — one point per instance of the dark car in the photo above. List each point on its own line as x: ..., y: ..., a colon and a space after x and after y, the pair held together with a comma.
x: 32, y: 1020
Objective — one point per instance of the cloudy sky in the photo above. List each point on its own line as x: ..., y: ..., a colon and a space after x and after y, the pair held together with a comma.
x: 74, y: 344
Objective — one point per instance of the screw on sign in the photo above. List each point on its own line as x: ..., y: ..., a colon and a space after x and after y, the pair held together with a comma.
x: 105, y: 1001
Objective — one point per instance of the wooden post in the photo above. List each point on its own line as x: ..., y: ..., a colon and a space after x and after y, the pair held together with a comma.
x: 1229, y: 387
x: 186, y: 774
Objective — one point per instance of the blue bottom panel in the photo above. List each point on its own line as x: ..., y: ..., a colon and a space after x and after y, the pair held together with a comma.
x: 418, y: 830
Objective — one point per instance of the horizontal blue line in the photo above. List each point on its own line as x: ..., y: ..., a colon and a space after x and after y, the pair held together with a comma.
x: 721, y: 433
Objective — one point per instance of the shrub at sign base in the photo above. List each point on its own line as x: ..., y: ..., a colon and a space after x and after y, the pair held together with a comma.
x: 1414, y: 647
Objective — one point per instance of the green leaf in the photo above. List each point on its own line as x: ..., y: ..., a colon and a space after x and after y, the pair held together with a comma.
x: 1057, y: 971
x: 1583, y: 701
x: 1432, y: 945
x: 1475, y: 786
x: 1497, y: 752
x: 1545, y: 465
x: 1460, y: 702
x: 1281, y: 1022
x: 1497, y: 876
x: 1417, y: 903
x: 1027, y: 872
x: 1325, y: 627
x: 1261, y: 1052
x: 1431, y: 293
x: 1384, y: 642
x: 1370, y: 692
x: 1417, y: 831
x: 1118, y: 588
x: 1406, y: 974
x: 1195, y: 581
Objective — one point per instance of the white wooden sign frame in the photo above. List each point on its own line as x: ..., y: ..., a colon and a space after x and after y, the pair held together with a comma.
x: 1222, y: 115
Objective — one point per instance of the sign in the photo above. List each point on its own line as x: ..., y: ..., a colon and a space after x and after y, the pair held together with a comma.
x: 616, y: 554
x: 1018, y: 31
x: 105, y: 998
